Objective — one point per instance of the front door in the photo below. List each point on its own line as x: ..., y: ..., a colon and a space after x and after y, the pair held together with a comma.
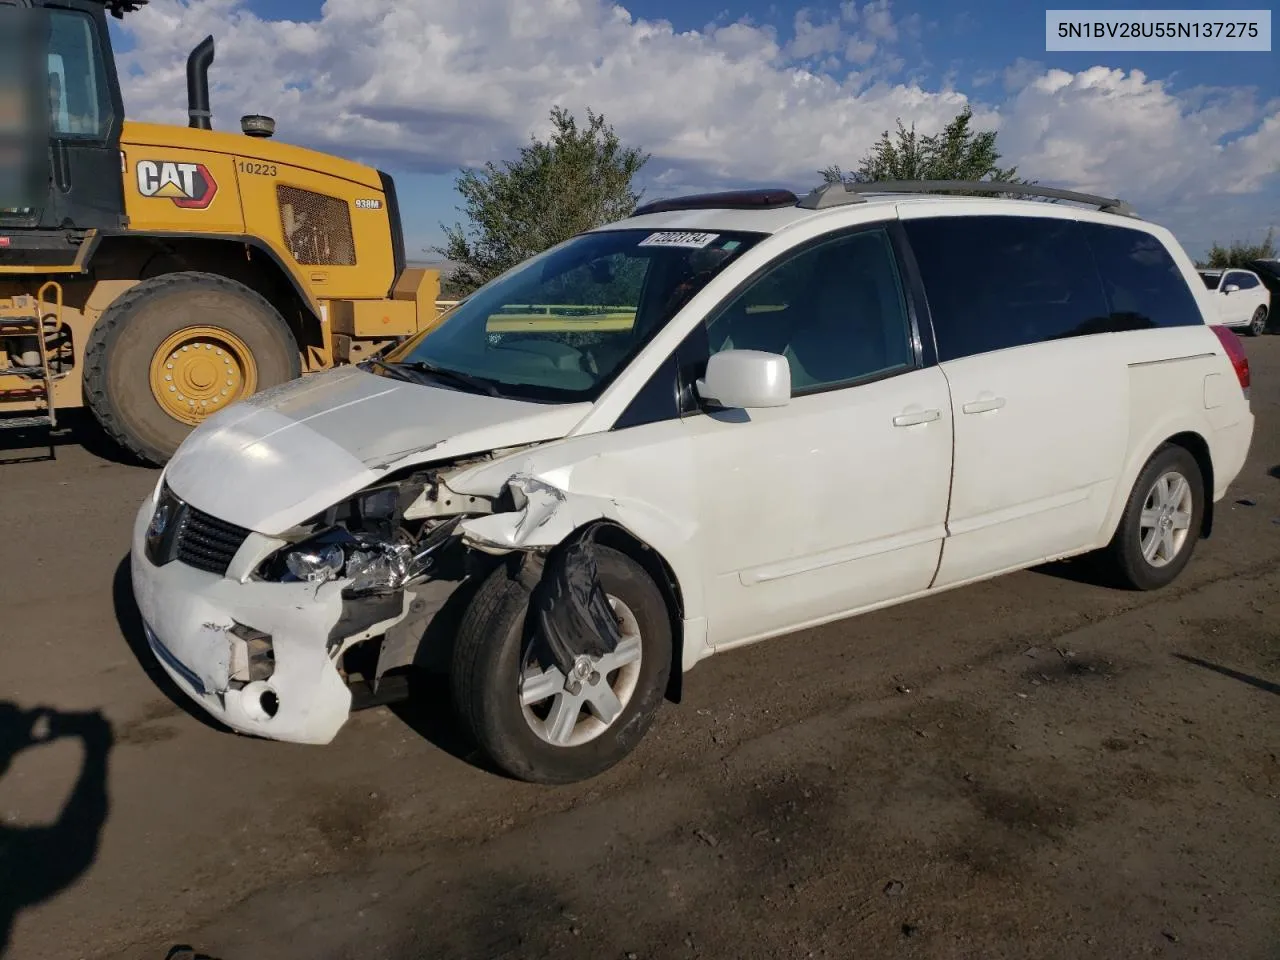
x: 836, y: 501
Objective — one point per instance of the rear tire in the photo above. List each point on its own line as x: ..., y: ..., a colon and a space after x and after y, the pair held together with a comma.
x: 1161, y: 522
x: 241, y: 345
x: 1258, y: 324
x: 489, y: 661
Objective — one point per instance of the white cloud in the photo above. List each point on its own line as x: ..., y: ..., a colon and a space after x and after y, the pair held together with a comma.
x: 435, y: 84
x: 1114, y: 131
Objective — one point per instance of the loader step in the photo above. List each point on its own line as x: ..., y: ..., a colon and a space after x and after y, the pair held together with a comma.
x: 26, y: 423
x: 19, y: 326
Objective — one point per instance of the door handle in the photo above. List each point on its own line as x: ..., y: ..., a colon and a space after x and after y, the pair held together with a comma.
x: 985, y: 405
x: 916, y: 417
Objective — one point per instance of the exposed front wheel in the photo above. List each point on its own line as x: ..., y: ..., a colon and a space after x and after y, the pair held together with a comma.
x: 1161, y: 522
x: 1258, y: 324
x: 532, y: 720
x: 177, y: 348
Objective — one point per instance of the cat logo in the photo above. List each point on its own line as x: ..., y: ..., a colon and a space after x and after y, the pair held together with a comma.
x: 189, y: 185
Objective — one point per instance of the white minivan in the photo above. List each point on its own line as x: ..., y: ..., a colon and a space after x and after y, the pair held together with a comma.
x: 726, y: 418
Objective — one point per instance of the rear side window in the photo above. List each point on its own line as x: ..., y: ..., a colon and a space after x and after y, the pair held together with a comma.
x: 998, y: 282
x: 1144, y: 286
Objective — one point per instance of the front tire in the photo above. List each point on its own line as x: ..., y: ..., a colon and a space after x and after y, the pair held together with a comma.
x: 523, y: 716
x: 1258, y: 324
x: 176, y: 348
x: 1161, y: 522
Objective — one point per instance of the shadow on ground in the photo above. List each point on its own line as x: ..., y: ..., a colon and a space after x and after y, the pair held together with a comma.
x: 37, y: 863
x: 1248, y: 678
x: 75, y: 428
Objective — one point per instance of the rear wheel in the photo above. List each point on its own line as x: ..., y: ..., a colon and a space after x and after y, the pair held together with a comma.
x: 532, y: 720
x: 177, y: 348
x: 1258, y: 324
x: 1161, y: 522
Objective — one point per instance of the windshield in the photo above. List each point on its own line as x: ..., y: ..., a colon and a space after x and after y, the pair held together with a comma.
x: 560, y: 326
x: 1210, y: 280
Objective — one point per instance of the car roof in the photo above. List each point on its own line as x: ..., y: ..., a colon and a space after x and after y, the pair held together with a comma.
x: 871, y: 208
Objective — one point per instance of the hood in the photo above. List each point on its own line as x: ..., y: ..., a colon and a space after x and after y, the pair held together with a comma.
x: 273, y: 460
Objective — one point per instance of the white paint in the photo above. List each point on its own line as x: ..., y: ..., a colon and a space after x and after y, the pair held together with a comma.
x: 1235, y: 307
x: 770, y: 519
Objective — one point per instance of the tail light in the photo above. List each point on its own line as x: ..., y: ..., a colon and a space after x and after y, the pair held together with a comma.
x: 1235, y: 353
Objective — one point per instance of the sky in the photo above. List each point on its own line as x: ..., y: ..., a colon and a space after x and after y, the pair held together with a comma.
x: 724, y: 93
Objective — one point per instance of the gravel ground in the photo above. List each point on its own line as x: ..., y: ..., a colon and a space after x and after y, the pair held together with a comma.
x: 1032, y: 767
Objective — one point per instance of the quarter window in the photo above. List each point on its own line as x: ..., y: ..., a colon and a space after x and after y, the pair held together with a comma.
x: 1001, y: 281
x: 1144, y: 286
x: 835, y: 311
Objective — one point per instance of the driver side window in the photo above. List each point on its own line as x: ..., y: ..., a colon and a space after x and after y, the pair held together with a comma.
x: 836, y: 311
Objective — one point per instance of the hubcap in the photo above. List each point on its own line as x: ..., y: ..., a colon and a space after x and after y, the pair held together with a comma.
x: 199, y: 370
x: 569, y: 711
x: 1166, y: 519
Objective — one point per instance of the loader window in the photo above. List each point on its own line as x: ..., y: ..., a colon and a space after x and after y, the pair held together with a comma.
x: 561, y: 325
x: 79, y: 101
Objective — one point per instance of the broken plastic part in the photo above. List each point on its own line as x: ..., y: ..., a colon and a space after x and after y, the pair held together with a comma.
x: 572, y: 612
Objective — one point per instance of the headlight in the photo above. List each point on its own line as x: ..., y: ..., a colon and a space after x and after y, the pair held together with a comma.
x: 384, y: 567
x: 370, y: 563
x: 317, y: 564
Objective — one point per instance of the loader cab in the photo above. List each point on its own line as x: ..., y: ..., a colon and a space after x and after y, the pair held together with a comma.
x: 69, y: 119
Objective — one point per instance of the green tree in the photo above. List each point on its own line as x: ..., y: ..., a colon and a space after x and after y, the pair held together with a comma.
x: 1239, y: 254
x: 957, y: 153
x: 579, y: 178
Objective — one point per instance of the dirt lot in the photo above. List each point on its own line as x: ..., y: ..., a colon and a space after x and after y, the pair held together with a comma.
x: 1034, y: 767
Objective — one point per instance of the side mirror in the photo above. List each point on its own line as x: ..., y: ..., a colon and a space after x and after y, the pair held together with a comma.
x: 1231, y: 288
x: 745, y: 379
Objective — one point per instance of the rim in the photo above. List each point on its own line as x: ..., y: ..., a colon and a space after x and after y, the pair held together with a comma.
x: 1259, y: 320
x: 199, y: 370
x: 1166, y: 519
x: 568, y: 712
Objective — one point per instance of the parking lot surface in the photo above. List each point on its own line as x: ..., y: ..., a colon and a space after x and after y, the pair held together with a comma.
x: 1037, y: 766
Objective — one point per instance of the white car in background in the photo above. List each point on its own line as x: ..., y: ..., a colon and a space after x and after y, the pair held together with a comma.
x: 757, y: 413
x: 1242, y: 300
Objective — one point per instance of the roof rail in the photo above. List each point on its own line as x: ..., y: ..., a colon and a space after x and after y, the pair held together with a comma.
x: 837, y: 194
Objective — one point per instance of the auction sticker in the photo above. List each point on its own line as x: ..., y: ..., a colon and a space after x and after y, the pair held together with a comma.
x: 678, y: 239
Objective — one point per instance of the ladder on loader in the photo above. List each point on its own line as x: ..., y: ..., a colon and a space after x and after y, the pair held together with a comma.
x: 26, y: 376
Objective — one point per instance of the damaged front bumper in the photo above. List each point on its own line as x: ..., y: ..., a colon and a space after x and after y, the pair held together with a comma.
x: 259, y: 657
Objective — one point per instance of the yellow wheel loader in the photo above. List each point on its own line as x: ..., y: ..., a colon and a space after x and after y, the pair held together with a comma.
x: 157, y: 274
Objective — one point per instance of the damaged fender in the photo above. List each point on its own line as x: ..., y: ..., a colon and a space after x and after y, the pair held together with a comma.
x: 548, y: 510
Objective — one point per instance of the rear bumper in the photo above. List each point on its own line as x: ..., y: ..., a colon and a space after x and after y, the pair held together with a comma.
x: 1230, y: 450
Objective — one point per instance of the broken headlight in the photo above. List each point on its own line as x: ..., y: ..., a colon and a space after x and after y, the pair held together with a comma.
x: 337, y: 554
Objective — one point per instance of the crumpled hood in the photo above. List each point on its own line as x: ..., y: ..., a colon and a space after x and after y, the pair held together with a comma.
x: 273, y: 460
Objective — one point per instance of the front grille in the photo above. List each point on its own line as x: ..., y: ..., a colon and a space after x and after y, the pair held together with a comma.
x: 207, y: 543
x: 317, y: 228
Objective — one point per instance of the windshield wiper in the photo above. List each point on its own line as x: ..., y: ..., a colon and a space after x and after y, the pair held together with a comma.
x: 475, y: 384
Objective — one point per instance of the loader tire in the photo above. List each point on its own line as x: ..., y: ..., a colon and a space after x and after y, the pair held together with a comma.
x: 177, y: 348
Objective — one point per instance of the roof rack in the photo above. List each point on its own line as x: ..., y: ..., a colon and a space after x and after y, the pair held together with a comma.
x: 725, y: 200
x: 837, y: 194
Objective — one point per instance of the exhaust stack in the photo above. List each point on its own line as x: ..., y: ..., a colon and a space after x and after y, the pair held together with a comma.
x: 198, y: 85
